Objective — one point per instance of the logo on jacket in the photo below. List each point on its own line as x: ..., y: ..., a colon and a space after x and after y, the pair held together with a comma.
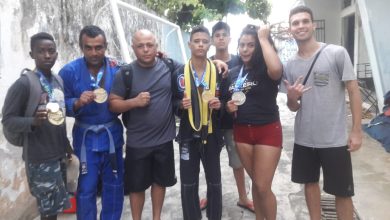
x: 180, y: 82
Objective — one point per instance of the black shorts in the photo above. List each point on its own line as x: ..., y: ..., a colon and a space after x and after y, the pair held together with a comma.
x: 336, y: 165
x: 145, y: 166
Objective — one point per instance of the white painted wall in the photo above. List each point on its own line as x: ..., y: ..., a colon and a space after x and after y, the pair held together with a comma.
x: 329, y: 10
x: 374, y: 15
x: 362, y: 47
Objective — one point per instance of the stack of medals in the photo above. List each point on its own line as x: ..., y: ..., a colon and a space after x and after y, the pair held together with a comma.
x: 238, y: 96
x: 55, y: 114
x: 100, y: 93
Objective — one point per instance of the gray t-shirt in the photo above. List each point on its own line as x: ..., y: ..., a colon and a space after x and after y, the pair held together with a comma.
x: 154, y: 124
x: 321, y: 120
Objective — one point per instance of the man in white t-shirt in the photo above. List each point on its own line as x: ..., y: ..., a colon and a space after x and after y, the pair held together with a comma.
x: 321, y: 139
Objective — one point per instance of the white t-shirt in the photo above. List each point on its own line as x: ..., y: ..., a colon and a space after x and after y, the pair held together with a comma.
x: 321, y: 122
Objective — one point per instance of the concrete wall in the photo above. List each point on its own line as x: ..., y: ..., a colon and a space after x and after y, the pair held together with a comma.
x: 19, y: 19
x: 362, y: 47
x: 375, y: 14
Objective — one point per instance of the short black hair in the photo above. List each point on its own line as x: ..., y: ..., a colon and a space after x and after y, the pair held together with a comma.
x: 38, y: 37
x: 198, y: 29
x: 220, y: 25
x: 91, y: 31
x: 301, y: 9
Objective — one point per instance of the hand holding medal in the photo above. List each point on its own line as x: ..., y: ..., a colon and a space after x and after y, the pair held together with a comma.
x: 207, y: 95
x: 238, y: 96
x: 231, y: 106
x: 215, y: 103
x: 54, y: 113
x: 51, y: 110
x: 100, y: 95
x: 40, y: 115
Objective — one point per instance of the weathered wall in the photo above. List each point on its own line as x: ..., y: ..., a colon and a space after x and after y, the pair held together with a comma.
x: 19, y: 19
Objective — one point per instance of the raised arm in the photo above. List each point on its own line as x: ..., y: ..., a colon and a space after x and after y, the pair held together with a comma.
x: 274, y: 66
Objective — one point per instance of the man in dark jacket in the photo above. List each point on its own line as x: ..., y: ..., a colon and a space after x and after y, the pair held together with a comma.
x: 199, y: 137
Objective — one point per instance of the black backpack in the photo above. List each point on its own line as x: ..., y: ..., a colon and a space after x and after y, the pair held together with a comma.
x: 127, y: 77
x: 18, y: 138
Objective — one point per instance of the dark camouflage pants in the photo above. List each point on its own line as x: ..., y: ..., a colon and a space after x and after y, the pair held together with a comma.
x: 47, y: 184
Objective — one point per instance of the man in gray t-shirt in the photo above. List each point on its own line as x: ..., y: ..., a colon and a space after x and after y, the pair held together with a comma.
x: 150, y: 125
x: 321, y: 139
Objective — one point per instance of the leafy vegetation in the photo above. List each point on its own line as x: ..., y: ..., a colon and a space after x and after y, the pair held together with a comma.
x: 187, y: 13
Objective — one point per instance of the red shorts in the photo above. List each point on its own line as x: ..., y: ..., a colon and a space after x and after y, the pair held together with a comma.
x: 268, y: 134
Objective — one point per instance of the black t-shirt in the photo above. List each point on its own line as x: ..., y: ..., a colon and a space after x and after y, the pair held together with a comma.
x: 260, y: 106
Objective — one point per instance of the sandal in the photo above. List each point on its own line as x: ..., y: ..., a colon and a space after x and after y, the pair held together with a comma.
x: 248, y: 206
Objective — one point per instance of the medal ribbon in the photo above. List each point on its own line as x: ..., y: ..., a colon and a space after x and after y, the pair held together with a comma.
x: 99, y: 76
x: 46, y: 85
x: 240, y: 81
x: 202, y: 81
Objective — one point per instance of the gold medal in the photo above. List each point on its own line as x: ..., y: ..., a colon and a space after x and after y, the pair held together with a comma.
x: 56, y: 118
x: 239, y: 98
x: 207, y: 96
x: 52, y: 107
x: 100, y: 95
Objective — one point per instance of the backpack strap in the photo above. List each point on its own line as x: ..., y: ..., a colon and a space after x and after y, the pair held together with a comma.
x: 169, y: 63
x: 127, y: 74
x: 171, y: 66
x: 127, y: 77
x: 32, y: 103
x: 35, y: 93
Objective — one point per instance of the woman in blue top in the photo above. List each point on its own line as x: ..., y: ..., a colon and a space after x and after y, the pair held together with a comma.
x: 250, y: 92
